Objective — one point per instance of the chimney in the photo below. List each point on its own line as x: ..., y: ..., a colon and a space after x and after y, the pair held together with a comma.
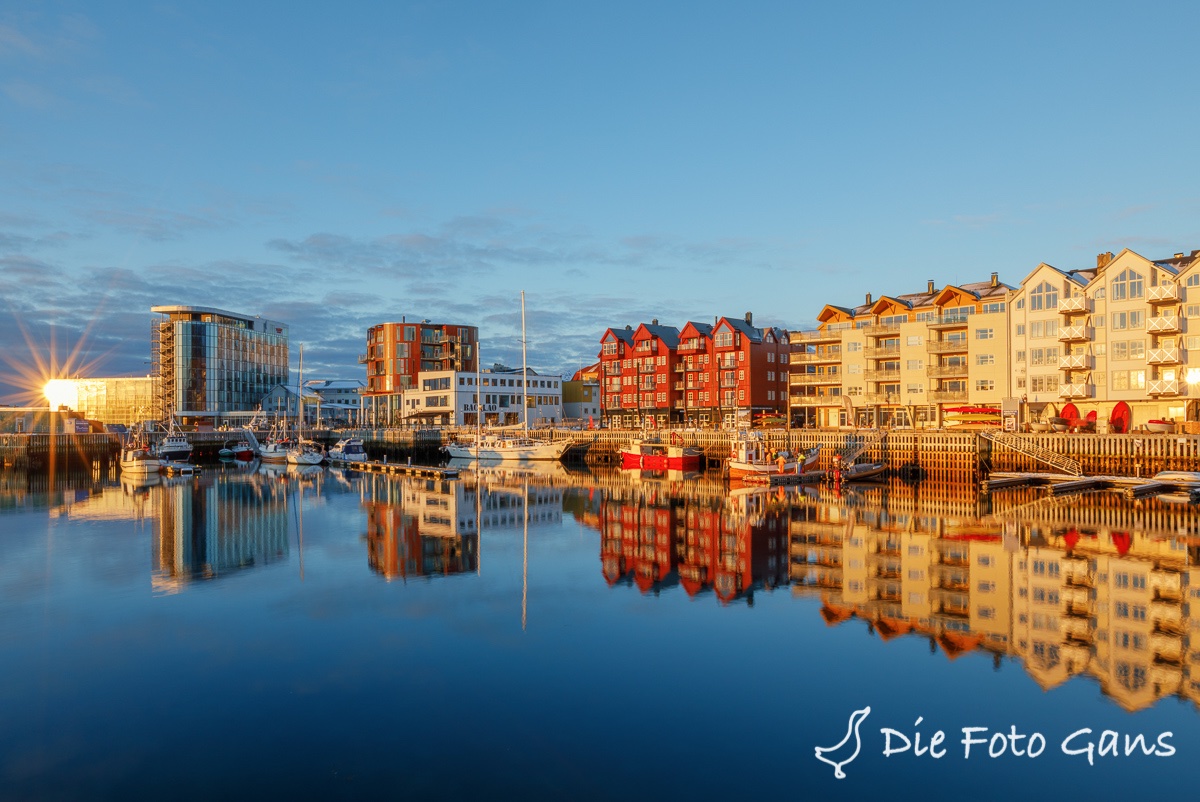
x: 750, y: 318
x: 995, y: 279
x: 931, y: 286
x: 628, y: 327
x: 1103, y: 259
x: 868, y: 299
x: 654, y: 321
x: 1179, y: 256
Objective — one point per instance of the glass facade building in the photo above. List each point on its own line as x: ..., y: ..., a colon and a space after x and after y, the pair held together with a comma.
x: 210, y: 363
x: 127, y: 400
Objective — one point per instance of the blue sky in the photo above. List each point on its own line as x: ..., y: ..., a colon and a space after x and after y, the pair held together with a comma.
x: 338, y: 166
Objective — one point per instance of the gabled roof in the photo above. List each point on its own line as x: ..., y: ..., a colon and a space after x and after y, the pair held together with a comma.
x: 829, y: 310
x: 619, y: 333
x: 887, y: 301
x: 668, y: 334
x: 747, y: 330
x: 701, y: 329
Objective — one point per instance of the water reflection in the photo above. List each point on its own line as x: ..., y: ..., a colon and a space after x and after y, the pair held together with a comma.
x: 215, y: 525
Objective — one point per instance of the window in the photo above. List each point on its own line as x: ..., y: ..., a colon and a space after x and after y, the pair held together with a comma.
x: 1044, y: 296
x: 984, y: 385
x: 915, y: 388
x: 1120, y: 321
x: 1098, y: 321
x: 1020, y: 356
x: 853, y: 346
x: 985, y: 359
x: 984, y: 334
x: 1020, y: 329
x: 993, y: 308
x: 914, y: 364
x: 1137, y: 319
x: 1037, y: 329
x: 1128, y: 285
x: 914, y: 339
x: 723, y: 339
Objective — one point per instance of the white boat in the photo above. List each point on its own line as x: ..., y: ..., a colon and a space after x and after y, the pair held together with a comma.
x: 507, y: 447
x: 348, y: 449
x: 138, y: 460
x: 1188, y: 479
x: 276, y: 447
x: 303, y: 452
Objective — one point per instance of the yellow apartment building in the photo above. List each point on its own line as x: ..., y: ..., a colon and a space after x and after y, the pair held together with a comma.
x: 904, y: 360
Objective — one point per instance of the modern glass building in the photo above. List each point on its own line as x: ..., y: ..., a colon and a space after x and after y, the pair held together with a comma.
x: 212, y: 365
x: 126, y: 400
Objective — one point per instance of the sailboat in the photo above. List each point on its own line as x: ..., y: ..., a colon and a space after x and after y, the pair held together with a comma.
x: 504, y: 446
x: 303, y: 452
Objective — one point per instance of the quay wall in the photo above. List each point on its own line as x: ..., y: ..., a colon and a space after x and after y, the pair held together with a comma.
x: 939, y: 455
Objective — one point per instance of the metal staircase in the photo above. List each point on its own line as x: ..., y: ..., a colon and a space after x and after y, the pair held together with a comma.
x: 856, y: 445
x: 1014, y: 442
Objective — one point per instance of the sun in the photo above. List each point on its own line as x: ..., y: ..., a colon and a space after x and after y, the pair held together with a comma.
x: 61, y: 393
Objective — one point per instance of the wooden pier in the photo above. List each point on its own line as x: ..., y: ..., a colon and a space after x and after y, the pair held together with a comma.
x: 401, y: 469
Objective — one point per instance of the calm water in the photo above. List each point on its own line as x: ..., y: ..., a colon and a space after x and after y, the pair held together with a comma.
x: 572, y: 636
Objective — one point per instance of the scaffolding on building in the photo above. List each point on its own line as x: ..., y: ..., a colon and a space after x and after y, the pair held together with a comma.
x: 162, y: 367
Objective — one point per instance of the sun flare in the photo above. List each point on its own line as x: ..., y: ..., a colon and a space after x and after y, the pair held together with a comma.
x: 60, y: 393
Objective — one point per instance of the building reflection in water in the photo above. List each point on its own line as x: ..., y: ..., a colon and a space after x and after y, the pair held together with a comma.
x: 430, y: 527
x: 661, y: 529
x: 212, y: 526
x: 1095, y: 586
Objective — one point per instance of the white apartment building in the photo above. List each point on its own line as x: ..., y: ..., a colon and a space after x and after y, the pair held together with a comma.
x: 451, y: 398
x: 1121, y: 331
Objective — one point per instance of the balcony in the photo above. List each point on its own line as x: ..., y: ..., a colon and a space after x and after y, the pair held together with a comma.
x: 1077, y: 304
x: 1163, y: 294
x: 808, y: 357
x: 883, y: 375
x: 955, y: 346
x: 677, y: 367
x: 1076, y: 390
x: 947, y: 396
x: 1164, y: 356
x: 874, y: 352
x: 1076, y: 362
x: 949, y: 322
x: 647, y: 368
x: 1070, y: 334
x: 946, y: 371
x: 362, y: 359
x: 1164, y: 324
x: 880, y: 398
x: 882, y: 330
x: 727, y: 364
x: 677, y: 386
x: 1165, y: 387
x: 809, y: 379
x: 815, y: 336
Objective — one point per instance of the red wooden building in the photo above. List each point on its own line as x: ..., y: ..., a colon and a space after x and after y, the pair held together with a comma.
x: 704, y: 375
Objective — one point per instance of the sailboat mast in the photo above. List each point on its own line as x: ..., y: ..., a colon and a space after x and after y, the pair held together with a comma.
x: 300, y: 395
x: 524, y: 371
x: 478, y: 402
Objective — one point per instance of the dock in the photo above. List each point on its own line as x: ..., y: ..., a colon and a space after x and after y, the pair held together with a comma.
x: 401, y: 469
x: 180, y: 468
x: 1058, y: 484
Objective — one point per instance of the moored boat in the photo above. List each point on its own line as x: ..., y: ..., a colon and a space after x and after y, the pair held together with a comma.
x: 651, y: 453
x: 305, y: 452
x: 237, y: 449
x: 507, y: 447
x: 862, y: 471
x: 138, y: 460
x: 348, y: 449
x: 1160, y: 426
x: 174, y: 447
x: 752, y: 457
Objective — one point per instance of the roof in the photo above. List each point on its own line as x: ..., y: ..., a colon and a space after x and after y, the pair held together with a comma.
x: 703, y: 329
x: 621, y: 333
x: 668, y: 334
x: 334, y: 384
x: 739, y: 324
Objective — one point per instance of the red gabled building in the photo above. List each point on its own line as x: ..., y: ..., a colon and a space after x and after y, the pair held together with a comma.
x: 701, y: 376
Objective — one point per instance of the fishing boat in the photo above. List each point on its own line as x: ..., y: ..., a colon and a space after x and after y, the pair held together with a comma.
x: 751, y: 456
x: 652, y: 453
x: 138, y: 460
x: 240, y: 450
x: 348, y: 449
x: 174, y: 447
x: 276, y: 447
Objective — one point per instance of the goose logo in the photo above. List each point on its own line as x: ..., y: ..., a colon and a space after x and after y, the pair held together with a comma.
x: 847, y: 749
